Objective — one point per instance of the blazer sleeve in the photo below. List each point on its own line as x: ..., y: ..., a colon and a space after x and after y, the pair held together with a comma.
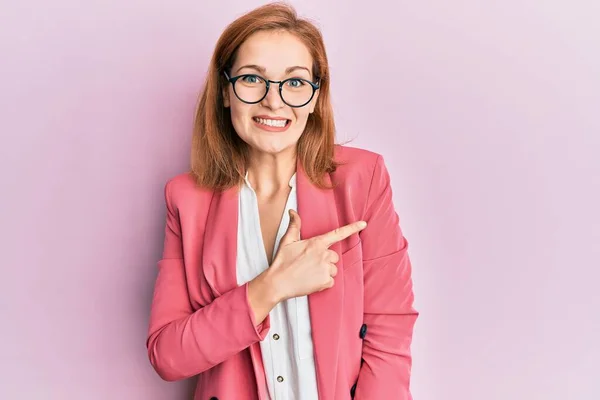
x: 389, y: 315
x: 183, y: 342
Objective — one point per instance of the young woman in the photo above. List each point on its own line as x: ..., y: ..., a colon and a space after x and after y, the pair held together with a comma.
x: 285, y: 273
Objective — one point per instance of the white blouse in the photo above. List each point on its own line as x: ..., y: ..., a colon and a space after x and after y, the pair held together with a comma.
x: 287, y: 351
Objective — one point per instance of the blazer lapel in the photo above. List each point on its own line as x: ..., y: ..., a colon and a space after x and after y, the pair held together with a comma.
x: 318, y: 213
x: 219, y: 256
x: 219, y: 262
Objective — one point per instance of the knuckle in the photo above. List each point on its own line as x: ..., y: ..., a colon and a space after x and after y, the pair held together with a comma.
x: 321, y: 241
x: 314, y: 243
x: 334, y: 256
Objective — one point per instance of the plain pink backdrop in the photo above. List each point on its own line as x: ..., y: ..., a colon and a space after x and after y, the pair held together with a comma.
x: 487, y: 114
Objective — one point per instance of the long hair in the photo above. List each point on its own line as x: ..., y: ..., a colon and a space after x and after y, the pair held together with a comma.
x: 219, y: 157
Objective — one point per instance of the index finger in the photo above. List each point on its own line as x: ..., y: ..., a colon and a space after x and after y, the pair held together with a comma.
x: 341, y: 233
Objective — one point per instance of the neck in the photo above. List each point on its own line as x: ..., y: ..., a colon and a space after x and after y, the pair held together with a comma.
x: 271, y: 173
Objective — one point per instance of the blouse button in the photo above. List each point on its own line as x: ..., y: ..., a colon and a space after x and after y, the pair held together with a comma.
x: 276, y: 336
x: 280, y: 378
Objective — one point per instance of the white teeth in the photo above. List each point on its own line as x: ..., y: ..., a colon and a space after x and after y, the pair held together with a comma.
x: 280, y: 123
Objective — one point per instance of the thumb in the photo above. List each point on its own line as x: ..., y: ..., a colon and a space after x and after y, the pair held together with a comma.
x: 292, y: 234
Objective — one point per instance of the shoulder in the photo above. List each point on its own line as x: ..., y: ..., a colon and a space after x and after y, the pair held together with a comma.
x: 362, y: 178
x: 358, y: 165
x: 348, y: 154
x: 182, y: 188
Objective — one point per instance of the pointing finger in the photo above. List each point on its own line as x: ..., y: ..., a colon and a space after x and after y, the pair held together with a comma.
x: 342, y: 233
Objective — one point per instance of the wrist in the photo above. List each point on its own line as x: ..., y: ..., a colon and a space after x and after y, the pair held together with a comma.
x: 271, y: 287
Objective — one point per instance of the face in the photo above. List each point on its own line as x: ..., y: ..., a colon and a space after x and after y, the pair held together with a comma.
x: 275, y: 56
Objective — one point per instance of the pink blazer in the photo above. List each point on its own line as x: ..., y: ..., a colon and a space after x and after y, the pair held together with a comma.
x: 201, y: 323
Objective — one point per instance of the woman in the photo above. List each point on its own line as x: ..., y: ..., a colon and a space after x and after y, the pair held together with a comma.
x: 270, y: 285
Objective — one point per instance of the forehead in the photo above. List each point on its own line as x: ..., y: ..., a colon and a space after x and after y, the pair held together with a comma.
x: 273, y: 50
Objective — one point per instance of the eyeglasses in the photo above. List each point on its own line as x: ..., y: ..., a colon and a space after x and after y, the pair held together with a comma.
x: 252, y: 89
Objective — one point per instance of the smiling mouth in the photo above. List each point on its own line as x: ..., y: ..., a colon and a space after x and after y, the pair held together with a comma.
x: 275, y: 123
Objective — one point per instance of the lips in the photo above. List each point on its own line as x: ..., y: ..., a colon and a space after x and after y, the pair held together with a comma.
x: 271, y: 124
x: 269, y: 117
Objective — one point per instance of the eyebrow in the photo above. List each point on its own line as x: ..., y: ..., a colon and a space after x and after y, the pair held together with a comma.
x: 263, y: 70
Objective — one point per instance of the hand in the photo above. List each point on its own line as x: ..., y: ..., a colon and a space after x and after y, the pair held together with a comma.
x: 305, y: 266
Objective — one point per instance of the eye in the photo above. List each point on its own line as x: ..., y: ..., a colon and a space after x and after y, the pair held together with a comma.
x: 252, y: 79
x: 295, y: 83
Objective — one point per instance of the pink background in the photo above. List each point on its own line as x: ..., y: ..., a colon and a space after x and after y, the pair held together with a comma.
x: 487, y: 114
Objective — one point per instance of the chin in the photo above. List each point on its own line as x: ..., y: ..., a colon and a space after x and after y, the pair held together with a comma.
x: 273, y: 147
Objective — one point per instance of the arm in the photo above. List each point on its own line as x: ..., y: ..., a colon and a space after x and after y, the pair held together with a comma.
x: 388, y: 305
x: 182, y: 342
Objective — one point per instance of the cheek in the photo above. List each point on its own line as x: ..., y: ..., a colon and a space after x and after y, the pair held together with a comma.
x: 302, y: 116
x: 239, y: 117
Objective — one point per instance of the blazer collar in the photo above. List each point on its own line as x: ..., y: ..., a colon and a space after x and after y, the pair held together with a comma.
x: 318, y: 211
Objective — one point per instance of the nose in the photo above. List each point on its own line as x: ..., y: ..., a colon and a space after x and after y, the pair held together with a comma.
x: 273, y: 100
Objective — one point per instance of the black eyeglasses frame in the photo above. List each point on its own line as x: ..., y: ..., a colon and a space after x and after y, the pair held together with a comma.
x: 233, y: 79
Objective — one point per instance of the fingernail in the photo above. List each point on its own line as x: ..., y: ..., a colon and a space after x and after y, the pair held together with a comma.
x: 362, y: 224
